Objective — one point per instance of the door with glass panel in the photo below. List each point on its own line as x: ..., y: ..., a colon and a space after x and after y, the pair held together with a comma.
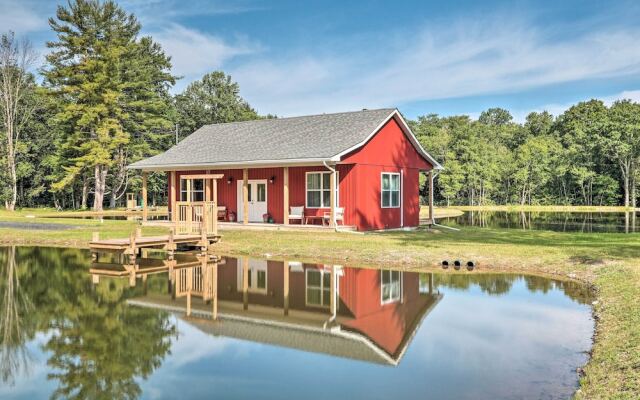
x: 257, y: 200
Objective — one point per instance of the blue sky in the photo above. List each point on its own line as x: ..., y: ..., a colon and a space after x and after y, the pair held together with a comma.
x: 445, y: 57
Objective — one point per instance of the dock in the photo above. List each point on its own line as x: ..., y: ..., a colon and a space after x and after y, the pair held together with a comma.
x: 132, y: 245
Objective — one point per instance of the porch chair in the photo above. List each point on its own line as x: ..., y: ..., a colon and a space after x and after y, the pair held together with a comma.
x: 222, y: 213
x: 339, y: 216
x: 296, y: 213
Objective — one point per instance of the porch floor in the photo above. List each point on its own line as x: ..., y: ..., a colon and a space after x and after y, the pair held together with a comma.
x: 223, y: 225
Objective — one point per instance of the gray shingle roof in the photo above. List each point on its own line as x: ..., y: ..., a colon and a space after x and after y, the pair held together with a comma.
x: 313, y: 137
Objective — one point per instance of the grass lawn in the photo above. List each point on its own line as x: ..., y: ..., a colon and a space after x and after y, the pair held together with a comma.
x: 608, y: 261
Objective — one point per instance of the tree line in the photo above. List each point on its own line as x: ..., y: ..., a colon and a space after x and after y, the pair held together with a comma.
x: 102, y: 100
x: 588, y: 155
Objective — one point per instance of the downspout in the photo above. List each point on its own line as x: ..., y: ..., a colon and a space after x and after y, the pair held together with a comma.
x: 435, y: 174
x: 333, y: 211
x: 402, y: 198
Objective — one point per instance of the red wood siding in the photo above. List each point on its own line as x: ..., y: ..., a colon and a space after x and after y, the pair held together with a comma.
x: 359, y: 183
x: 388, y: 151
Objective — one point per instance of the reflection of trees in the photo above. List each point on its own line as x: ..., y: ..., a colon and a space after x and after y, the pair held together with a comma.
x: 99, y: 346
x: 575, y: 290
x: 497, y: 284
x: 15, y: 327
x: 493, y: 284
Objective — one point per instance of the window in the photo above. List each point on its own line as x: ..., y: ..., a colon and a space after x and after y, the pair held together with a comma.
x: 261, y: 190
x: 197, y: 189
x: 391, y: 286
x: 390, y: 190
x: 258, y: 280
x: 319, y: 189
x: 318, y: 287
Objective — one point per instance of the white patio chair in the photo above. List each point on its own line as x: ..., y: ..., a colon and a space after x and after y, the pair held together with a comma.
x: 296, y: 213
x: 339, y: 216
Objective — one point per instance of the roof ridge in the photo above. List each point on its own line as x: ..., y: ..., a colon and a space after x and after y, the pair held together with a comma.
x: 390, y: 109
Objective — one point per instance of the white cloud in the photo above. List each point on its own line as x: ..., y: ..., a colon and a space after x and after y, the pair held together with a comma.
x: 20, y: 17
x: 559, y: 108
x: 194, y: 53
x: 468, y: 58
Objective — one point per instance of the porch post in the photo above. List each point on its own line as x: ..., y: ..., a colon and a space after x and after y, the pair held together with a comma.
x: 332, y: 202
x: 172, y: 197
x: 214, y: 184
x: 245, y: 196
x: 432, y: 220
x: 286, y: 196
x: 207, y: 188
x: 144, y: 196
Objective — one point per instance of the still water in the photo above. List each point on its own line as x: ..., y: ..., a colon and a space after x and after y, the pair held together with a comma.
x: 551, y: 221
x: 71, y: 328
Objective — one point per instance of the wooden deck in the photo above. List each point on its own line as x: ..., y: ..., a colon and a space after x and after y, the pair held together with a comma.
x: 132, y: 245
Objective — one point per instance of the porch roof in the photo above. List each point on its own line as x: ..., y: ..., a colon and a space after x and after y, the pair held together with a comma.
x: 279, y: 141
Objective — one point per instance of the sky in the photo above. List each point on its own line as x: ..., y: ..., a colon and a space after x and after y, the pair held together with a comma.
x: 445, y: 57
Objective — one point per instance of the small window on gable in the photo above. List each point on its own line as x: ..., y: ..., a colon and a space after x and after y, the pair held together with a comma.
x: 390, y: 190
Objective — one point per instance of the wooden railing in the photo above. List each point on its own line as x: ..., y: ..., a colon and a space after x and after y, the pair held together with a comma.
x: 196, y: 281
x: 193, y: 216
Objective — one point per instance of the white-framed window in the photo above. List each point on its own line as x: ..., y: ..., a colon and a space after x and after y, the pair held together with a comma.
x: 391, y: 286
x: 197, y: 189
x: 318, y: 189
x: 390, y: 190
x: 318, y: 287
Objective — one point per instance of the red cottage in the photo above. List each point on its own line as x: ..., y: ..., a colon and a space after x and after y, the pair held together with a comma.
x: 357, y: 170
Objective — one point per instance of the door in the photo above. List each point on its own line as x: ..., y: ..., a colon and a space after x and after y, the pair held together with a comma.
x: 257, y: 200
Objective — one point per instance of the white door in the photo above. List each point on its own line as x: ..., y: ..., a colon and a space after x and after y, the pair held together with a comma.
x: 257, y: 276
x: 257, y: 200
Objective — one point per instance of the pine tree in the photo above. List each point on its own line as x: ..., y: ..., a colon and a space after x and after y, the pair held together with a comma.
x: 111, y: 84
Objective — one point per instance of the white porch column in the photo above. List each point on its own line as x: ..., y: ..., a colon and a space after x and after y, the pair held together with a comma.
x: 145, y: 210
x: 332, y: 201
x: 286, y: 195
x: 431, y: 216
x: 245, y: 196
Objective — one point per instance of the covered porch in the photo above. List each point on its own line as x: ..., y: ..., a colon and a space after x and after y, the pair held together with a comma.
x: 258, y: 198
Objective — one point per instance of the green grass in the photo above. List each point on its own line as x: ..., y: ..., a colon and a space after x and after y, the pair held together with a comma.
x: 609, y: 261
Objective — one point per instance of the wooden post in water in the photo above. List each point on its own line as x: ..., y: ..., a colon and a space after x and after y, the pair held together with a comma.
x: 214, y: 288
x: 286, y: 287
x: 245, y: 283
x: 171, y: 246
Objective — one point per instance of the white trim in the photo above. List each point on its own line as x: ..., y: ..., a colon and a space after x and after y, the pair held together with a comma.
x: 407, y: 130
x: 306, y: 199
x: 298, y: 162
x: 390, y: 191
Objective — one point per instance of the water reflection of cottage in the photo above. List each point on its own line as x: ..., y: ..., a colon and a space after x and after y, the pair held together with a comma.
x: 358, y: 313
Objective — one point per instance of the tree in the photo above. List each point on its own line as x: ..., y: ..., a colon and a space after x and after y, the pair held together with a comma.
x: 16, y: 103
x: 213, y: 99
x: 495, y: 117
x: 620, y: 140
x: 109, y: 82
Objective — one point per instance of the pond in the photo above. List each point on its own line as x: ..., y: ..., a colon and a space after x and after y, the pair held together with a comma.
x: 551, y: 221
x: 296, y: 330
